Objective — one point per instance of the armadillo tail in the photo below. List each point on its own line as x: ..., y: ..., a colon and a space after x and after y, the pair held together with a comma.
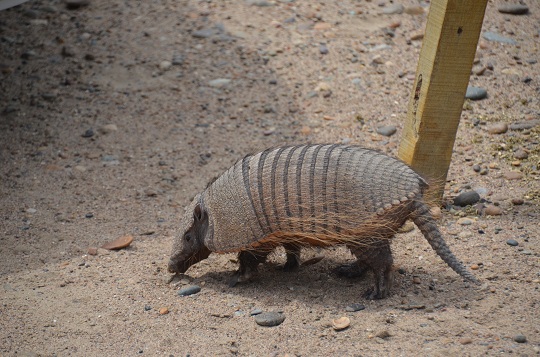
x: 425, y: 222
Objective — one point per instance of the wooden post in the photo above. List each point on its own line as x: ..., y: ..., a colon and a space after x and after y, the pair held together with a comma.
x: 446, y: 58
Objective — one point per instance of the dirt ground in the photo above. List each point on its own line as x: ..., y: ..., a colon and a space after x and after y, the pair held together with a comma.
x: 114, y: 115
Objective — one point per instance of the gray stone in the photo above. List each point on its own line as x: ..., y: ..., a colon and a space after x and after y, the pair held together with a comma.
x: 88, y: 133
x: 514, y: 9
x: 260, y: 3
x: 467, y: 198
x: 177, y: 60
x: 269, y: 319
x: 204, y: 33
x: 323, y: 49
x: 49, y: 97
x: 219, y: 82
x: 524, y: 125
x: 475, y: 93
x: 495, y: 37
x: 189, y: 290
x: 388, y: 130
x: 521, y: 154
x: 512, y: 242
x: 256, y: 311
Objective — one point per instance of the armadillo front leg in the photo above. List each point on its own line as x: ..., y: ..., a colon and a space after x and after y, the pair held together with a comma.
x: 378, y: 257
x: 293, y: 255
x: 249, y: 261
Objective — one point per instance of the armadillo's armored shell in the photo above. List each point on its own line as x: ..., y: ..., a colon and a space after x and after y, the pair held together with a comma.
x: 263, y: 193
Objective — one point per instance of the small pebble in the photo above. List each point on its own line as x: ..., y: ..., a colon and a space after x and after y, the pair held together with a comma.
x: 465, y: 341
x: 494, y: 37
x: 118, y: 243
x: 107, y: 129
x: 92, y: 251
x: 521, y: 154
x: 520, y: 338
x: 177, y: 60
x: 499, y: 128
x: 524, y: 126
x: 466, y: 198
x: 88, y: 133
x: 493, y: 210
x: 256, y: 311
x: 517, y: 201
x: 355, y: 307
x: 513, y: 175
x: 474, y: 267
x: 204, y: 33
x: 414, y: 10
x: 387, y: 130
x: 341, y: 323
x: 163, y: 311
x: 219, y: 83
x: 269, y: 319
x: 393, y: 9
x: 475, y: 93
x: 512, y: 242
x: 323, y: 50
x: 165, y: 65
x: 476, y: 168
x: 416, y: 280
x: 513, y: 9
x: 189, y: 290
x: 465, y: 221
x: 383, y: 334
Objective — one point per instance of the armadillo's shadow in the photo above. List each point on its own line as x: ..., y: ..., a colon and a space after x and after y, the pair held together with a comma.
x: 320, y: 285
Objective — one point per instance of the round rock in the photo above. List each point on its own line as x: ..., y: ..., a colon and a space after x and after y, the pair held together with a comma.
x: 521, y: 154
x: 512, y: 242
x: 514, y: 9
x: 520, y: 338
x: 517, y: 201
x: 269, y: 319
x: 475, y: 93
x: 189, y: 290
x: 388, y: 130
x: 499, y: 128
x: 492, y: 210
x: 513, y: 175
x: 467, y: 198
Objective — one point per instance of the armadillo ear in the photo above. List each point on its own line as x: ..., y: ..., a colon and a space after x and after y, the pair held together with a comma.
x: 198, y: 213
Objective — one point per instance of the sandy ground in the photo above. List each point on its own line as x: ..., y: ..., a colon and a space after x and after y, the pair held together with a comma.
x: 114, y: 115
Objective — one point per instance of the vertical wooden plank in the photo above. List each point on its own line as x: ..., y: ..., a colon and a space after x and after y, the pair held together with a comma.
x: 446, y: 59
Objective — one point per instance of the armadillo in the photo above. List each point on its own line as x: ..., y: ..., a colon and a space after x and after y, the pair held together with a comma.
x: 316, y: 195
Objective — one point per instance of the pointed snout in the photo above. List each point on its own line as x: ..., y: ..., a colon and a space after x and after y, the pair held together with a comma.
x: 176, y: 266
x: 180, y: 264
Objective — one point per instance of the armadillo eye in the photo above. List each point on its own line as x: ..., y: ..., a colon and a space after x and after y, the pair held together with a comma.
x: 187, y: 237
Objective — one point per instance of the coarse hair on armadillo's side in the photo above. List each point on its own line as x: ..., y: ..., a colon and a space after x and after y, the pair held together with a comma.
x: 329, y: 229
x: 354, y: 229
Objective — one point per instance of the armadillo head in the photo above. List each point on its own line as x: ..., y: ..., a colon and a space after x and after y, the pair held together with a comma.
x: 188, y: 247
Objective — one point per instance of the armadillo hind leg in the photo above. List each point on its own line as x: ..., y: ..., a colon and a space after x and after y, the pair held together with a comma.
x: 249, y: 261
x: 293, y: 257
x: 378, y: 258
